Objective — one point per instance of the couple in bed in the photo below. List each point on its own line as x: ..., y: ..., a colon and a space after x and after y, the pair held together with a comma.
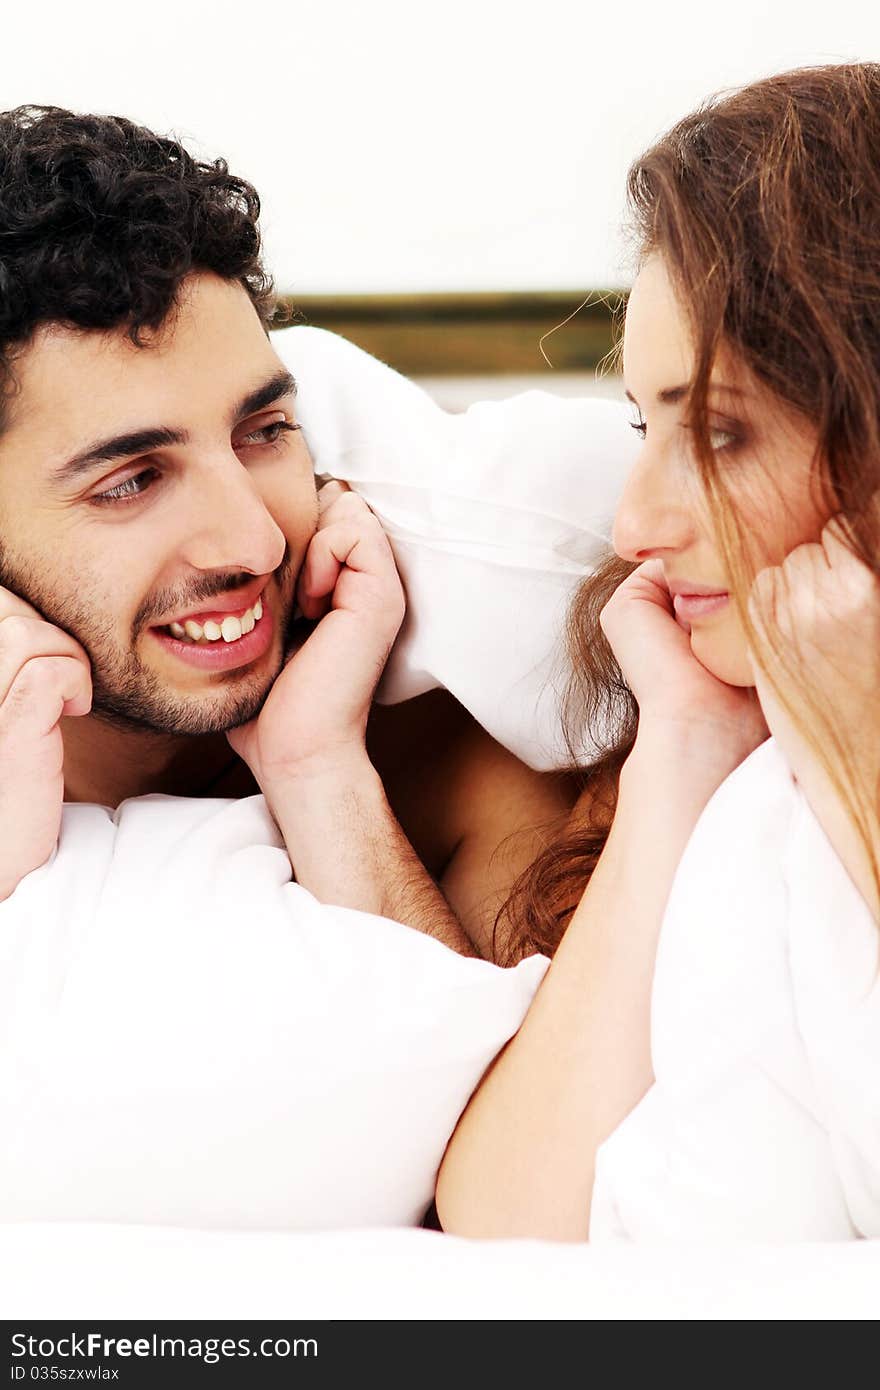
x: 699, y: 1057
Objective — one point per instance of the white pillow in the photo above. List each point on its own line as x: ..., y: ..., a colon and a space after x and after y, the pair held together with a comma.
x: 495, y: 516
x: 187, y: 1037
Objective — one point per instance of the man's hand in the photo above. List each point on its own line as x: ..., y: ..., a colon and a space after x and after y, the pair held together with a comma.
x: 44, y: 674
x: 315, y: 717
x: 307, y: 747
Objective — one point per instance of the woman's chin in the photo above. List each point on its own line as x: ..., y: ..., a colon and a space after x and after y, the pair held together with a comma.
x: 727, y: 660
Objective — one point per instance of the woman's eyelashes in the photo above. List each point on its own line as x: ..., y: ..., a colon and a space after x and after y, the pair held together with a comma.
x: 722, y: 438
x: 267, y: 436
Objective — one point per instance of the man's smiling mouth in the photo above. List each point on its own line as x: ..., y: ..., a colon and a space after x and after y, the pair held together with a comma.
x: 230, y: 628
x: 221, y: 639
x: 215, y: 611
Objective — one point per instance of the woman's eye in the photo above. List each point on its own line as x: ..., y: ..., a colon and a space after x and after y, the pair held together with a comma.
x: 268, y: 434
x: 132, y: 487
x: 721, y: 439
x: 640, y: 427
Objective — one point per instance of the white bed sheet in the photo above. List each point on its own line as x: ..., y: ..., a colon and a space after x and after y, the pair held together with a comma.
x: 73, y: 1271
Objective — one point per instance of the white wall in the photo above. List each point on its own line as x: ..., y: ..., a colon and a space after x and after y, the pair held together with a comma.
x: 413, y: 145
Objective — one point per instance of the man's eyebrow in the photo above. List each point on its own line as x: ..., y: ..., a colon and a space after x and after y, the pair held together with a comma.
x: 134, y: 442
x: 281, y: 384
x: 671, y: 395
x: 120, y: 446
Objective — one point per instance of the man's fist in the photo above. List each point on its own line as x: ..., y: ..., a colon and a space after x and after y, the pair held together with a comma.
x: 315, y: 717
x: 44, y: 674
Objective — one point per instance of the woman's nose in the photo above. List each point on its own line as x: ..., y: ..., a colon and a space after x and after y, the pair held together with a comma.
x: 655, y: 513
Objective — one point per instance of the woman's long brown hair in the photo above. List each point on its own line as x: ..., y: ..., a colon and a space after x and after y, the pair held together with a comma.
x: 765, y: 207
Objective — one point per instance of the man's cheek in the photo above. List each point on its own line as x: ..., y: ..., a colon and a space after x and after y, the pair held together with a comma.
x: 294, y: 509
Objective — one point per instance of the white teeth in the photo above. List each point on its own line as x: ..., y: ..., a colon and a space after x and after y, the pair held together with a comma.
x: 230, y: 628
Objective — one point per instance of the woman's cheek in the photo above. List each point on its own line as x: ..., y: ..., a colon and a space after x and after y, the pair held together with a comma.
x: 778, y: 510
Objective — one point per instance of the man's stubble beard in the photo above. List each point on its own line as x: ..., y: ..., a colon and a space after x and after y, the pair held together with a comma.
x: 127, y: 695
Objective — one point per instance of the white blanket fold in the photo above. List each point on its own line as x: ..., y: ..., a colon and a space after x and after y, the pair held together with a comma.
x: 189, y: 1037
x: 494, y: 515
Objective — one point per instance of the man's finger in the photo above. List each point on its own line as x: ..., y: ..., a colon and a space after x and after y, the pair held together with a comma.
x: 11, y: 606
x: 330, y: 492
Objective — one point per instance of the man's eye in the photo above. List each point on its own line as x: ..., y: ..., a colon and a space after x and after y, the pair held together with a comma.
x: 268, y: 434
x: 131, y: 488
x: 139, y: 483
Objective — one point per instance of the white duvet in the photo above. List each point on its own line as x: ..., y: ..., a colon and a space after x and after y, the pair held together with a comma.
x: 90, y: 1272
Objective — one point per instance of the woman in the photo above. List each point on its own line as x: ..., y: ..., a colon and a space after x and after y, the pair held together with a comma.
x: 743, y: 1058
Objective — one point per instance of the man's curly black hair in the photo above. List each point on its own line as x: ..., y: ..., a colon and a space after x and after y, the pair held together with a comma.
x: 101, y: 220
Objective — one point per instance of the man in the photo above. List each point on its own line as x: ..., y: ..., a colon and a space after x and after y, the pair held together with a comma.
x: 159, y: 525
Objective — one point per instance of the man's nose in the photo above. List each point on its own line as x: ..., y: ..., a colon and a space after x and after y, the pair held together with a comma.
x: 655, y: 513
x: 228, y: 524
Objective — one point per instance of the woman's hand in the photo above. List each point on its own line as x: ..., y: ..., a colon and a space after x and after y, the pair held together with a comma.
x: 315, y: 717
x: 821, y: 606
x: 673, y: 689
x: 818, y: 615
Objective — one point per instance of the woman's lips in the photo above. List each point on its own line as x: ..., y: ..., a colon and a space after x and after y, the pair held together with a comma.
x: 691, y: 607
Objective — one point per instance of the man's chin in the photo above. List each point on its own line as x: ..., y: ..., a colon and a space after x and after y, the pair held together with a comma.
x: 160, y: 710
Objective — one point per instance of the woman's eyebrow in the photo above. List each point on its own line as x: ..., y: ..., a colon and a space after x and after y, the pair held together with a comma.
x: 141, y: 441
x: 671, y: 395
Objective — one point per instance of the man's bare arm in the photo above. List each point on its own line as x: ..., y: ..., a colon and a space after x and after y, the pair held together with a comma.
x: 347, y: 848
